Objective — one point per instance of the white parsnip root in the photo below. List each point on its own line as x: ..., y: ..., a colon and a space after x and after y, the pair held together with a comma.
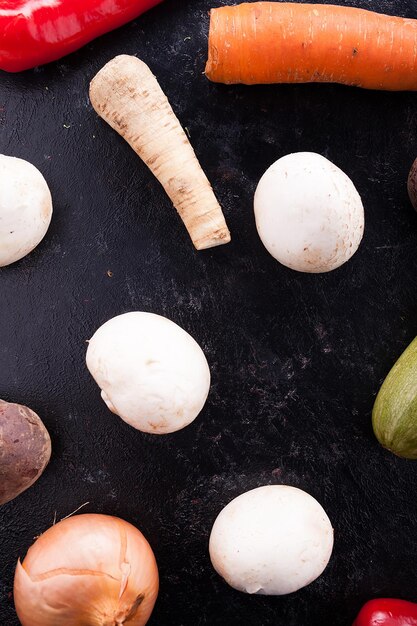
x: 127, y: 96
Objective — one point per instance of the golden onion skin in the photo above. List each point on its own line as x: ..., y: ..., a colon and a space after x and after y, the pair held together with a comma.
x: 87, y: 570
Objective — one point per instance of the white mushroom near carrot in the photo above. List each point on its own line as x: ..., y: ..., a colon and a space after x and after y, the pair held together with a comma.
x: 308, y: 213
x: 25, y: 208
x: 272, y: 540
x: 151, y: 372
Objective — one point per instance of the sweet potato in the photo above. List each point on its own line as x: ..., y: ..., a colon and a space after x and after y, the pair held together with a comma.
x: 25, y: 449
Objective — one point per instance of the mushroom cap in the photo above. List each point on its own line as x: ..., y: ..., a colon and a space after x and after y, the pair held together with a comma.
x: 152, y: 373
x: 25, y: 208
x: 308, y: 213
x: 271, y: 540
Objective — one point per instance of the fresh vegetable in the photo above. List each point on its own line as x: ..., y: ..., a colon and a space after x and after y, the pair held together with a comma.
x: 25, y: 208
x: 87, y: 570
x: 387, y: 612
x: 308, y: 213
x: 127, y: 96
x: 34, y: 32
x: 412, y: 185
x: 289, y: 42
x: 25, y: 449
x: 394, y: 416
x: 272, y: 540
x: 151, y: 372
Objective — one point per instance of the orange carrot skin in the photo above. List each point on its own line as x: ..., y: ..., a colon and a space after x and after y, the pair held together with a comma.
x: 283, y: 42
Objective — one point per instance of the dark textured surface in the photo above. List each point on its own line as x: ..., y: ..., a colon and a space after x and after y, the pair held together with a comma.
x: 296, y: 359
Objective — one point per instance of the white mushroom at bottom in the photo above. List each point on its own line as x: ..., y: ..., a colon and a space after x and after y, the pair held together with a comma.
x: 308, y: 213
x: 152, y: 373
x: 272, y: 540
x: 25, y: 208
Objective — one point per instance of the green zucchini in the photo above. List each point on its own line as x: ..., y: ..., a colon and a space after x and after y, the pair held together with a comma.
x: 394, y: 416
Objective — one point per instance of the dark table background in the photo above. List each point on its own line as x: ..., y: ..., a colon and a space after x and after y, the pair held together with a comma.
x: 296, y: 359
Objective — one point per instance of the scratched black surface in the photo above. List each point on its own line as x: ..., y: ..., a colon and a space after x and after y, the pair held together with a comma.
x: 296, y: 359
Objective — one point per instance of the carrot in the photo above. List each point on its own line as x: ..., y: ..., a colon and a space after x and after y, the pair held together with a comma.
x: 127, y: 96
x: 274, y: 42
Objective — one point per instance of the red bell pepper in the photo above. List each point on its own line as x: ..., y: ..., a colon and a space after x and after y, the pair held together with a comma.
x: 33, y: 32
x: 387, y: 612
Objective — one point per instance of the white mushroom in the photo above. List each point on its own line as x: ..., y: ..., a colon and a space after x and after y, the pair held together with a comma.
x: 272, y: 540
x: 151, y: 372
x: 25, y: 208
x: 308, y: 213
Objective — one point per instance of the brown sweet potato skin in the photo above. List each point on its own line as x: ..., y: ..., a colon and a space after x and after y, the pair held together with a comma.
x: 412, y: 185
x: 25, y: 449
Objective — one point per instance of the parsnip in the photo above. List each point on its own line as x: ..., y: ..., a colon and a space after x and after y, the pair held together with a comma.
x: 127, y: 96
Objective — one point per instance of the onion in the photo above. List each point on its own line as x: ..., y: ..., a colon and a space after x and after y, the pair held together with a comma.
x: 88, y: 570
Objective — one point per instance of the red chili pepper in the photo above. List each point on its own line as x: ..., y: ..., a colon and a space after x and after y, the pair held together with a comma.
x: 387, y: 612
x: 33, y: 32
